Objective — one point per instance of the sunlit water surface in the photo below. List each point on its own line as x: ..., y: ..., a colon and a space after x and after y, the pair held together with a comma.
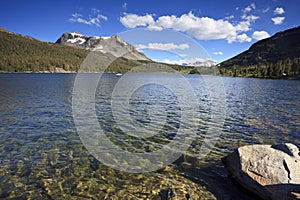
x: 42, y: 156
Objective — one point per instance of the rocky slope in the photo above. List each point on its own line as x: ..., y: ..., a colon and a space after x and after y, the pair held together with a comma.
x: 113, y: 44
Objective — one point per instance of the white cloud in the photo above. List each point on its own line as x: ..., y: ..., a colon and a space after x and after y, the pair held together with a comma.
x: 153, y: 27
x: 250, y: 18
x: 202, y: 28
x: 94, y: 19
x: 183, y: 55
x: 253, y: 5
x: 243, y: 38
x: 124, y: 6
x: 247, y: 9
x: 259, y: 35
x: 278, y: 20
x: 133, y: 20
x: 266, y: 10
x: 243, y: 26
x: 229, y: 17
x: 246, y: 24
x: 278, y: 11
x: 250, y: 7
x: 218, y: 53
x: 95, y: 11
x: 162, y: 46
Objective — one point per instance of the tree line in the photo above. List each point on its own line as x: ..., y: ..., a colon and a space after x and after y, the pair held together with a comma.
x: 19, y: 53
x: 22, y: 53
x: 286, y: 68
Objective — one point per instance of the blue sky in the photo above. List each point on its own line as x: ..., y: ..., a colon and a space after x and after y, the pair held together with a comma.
x: 220, y: 28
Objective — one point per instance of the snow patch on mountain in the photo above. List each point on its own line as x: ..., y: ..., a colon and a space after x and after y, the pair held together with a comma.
x: 77, y: 40
x: 195, y: 62
x: 76, y: 34
x: 109, y: 44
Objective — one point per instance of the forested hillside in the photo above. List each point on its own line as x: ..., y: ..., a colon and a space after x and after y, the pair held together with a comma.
x: 274, y: 57
x: 19, y: 53
x: 22, y: 54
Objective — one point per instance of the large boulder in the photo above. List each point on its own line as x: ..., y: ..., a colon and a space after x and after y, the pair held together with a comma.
x: 269, y: 171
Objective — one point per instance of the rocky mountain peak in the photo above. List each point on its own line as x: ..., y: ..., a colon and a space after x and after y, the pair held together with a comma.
x: 112, y: 44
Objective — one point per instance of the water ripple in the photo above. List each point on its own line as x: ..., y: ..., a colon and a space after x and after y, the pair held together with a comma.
x: 42, y: 157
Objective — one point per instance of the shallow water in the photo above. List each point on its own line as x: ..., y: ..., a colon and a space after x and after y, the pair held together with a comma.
x: 42, y: 155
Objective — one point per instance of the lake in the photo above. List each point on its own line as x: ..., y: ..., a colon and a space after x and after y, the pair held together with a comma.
x: 42, y: 151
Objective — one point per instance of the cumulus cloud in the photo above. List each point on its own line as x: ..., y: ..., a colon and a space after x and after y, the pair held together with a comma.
x: 93, y: 19
x: 279, y: 11
x: 278, y: 20
x: 133, y: 20
x: 218, y: 53
x: 242, y: 38
x: 162, y: 46
x: 202, y: 28
x: 259, y: 35
x: 245, y: 25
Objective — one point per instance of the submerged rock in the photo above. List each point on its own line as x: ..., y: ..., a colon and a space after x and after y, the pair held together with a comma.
x: 167, y: 194
x: 269, y: 171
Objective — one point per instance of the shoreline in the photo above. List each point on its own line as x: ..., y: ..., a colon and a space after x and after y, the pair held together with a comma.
x: 74, y: 72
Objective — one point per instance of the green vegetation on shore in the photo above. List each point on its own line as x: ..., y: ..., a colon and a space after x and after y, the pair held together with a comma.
x: 287, y: 68
x: 274, y: 57
x: 25, y: 54
x: 19, y: 54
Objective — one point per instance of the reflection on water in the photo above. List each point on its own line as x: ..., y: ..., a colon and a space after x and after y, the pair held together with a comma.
x: 42, y: 157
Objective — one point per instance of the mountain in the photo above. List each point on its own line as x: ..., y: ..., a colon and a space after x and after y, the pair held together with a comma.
x: 273, y: 57
x: 19, y: 53
x: 204, y: 63
x: 23, y: 53
x: 113, y: 44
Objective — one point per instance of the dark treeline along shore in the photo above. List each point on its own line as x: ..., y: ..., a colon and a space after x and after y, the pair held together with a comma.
x: 274, y: 57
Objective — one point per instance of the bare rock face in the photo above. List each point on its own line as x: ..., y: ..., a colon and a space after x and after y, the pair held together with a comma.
x: 269, y: 171
x: 113, y: 44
